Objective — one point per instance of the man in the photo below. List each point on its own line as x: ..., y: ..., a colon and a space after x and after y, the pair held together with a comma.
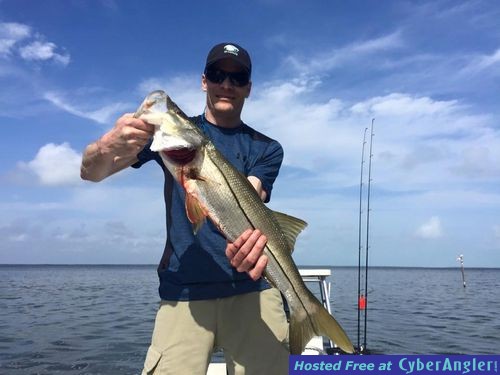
x: 212, y: 292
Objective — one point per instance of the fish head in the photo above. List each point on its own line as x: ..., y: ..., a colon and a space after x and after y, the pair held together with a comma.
x: 176, y: 138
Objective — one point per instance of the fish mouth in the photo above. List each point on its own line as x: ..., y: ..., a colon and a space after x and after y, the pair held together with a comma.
x: 180, y: 156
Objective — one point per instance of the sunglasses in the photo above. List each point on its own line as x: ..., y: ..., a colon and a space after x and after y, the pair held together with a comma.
x: 239, y: 79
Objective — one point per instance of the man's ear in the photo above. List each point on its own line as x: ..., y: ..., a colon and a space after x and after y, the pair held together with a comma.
x: 249, y: 89
x: 203, y: 82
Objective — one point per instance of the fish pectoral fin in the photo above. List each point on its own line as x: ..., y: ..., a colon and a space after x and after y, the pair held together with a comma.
x: 206, y: 180
x: 193, y: 174
x: 196, y: 213
x: 291, y: 227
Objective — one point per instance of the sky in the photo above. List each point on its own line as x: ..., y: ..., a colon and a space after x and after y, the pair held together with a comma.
x: 427, y: 72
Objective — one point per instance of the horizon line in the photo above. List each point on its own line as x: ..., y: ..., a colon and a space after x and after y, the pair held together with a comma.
x: 298, y: 266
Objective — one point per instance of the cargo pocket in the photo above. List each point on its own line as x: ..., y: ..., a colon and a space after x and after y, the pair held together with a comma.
x: 152, y: 359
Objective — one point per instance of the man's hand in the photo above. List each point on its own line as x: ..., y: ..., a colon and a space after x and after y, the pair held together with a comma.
x: 246, y: 253
x: 128, y: 136
x: 117, y: 149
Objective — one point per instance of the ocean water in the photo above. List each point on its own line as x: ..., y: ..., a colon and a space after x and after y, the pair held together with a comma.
x: 99, y: 319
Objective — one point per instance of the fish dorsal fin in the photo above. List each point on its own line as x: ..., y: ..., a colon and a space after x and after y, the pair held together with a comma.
x: 195, y: 212
x: 291, y: 227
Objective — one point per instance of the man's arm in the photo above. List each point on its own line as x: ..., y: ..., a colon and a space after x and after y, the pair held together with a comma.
x: 257, y: 184
x: 115, y: 150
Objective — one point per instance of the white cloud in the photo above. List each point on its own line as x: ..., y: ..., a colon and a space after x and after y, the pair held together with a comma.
x: 124, y: 219
x: 35, y: 48
x: 43, y: 51
x: 398, y: 104
x: 479, y: 160
x: 430, y: 229
x: 104, y: 115
x: 488, y: 60
x: 184, y: 90
x: 14, y: 231
x: 306, y: 129
x: 322, y: 62
x: 418, y: 139
x: 55, y: 165
x: 390, y: 41
x: 10, y: 34
x: 13, y: 30
x: 59, y: 238
x: 479, y: 63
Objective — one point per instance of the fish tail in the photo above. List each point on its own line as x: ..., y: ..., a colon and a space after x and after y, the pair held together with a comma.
x: 316, y: 322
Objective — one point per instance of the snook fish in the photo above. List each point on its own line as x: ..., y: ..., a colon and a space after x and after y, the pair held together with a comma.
x: 215, y: 189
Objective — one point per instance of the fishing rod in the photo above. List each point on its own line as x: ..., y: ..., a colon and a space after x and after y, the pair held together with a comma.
x: 360, y: 246
x: 368, y: 227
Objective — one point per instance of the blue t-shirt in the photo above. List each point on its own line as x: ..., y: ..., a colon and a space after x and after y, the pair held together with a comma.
x: 195, y: 267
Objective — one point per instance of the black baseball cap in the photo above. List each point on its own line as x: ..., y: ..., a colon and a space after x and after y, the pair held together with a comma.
x: 231, y: 51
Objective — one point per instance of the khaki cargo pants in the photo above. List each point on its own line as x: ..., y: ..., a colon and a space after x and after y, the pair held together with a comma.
x: 250, y: 328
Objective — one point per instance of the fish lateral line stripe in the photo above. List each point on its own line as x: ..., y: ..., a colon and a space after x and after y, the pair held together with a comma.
x: 270, y: 253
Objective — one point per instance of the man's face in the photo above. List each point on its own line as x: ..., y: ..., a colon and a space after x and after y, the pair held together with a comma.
x: 225, y: 98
